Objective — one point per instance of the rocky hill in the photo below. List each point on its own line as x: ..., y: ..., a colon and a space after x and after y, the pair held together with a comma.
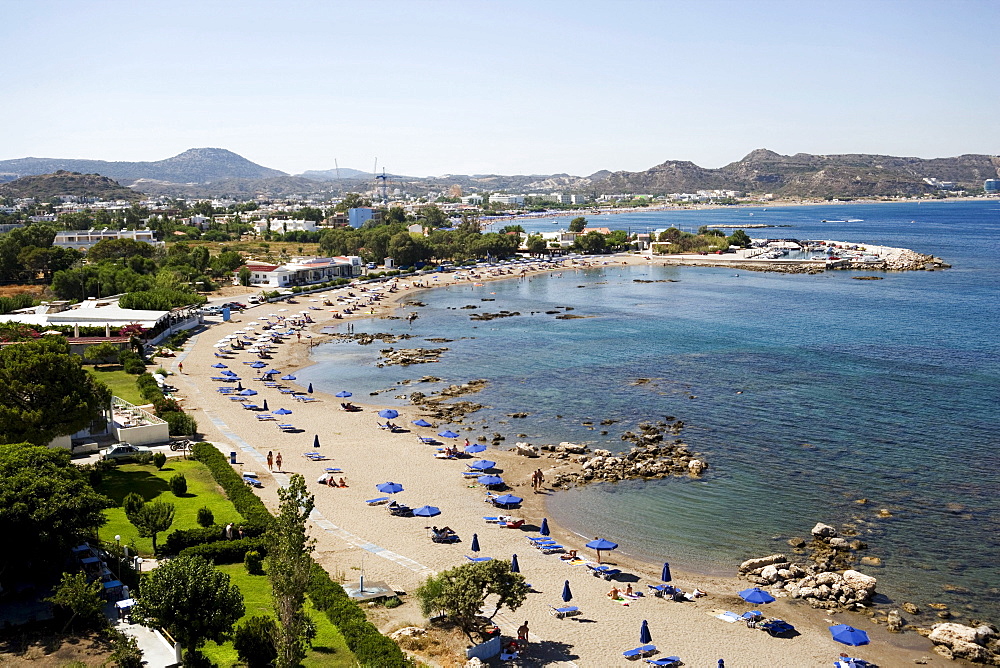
x: 46, y: 186
x: 196, y: 165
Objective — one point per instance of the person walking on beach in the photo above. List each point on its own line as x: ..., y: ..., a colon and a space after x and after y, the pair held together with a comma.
x: 180, y: 367
x: 270, y: 461
x: 541, y: 480
x: 277, y: 460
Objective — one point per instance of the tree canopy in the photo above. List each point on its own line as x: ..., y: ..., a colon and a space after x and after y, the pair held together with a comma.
x: 45, y: 392
x: 577, y: 224
x: 190, y: 598
x: 461, y: 591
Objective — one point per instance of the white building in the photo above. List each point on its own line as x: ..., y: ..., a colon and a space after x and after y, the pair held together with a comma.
x: 282, y: 226
x: 83, y: 240
x: 359, y: 216
x: 302, y: 271
x: 472, y: 200
x: 507, y: 199
x: 578, y: 199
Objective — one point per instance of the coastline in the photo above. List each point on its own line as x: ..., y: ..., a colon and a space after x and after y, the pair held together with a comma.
x: 694, y: 636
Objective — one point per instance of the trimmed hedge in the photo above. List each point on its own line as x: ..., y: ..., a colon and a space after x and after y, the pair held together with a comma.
x: 226, y: 551
x: 185, y: 538
x: 370, y: 647
x: 247, y: 503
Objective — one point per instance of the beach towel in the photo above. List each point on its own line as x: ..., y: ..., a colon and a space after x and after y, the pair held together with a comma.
x: 727, y: 616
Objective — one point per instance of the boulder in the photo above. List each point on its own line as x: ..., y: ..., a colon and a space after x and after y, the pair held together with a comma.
x: 475, y: 662
x: 911, y: 608
x: 408, y: 632
x: 696, y: 466
x: 769, y: 573
x: 838, y: 542
x: 572, y: 448
x: 823, y: 530
x: 860, y: 582
x: 760, y: 562
x: 894, y: 622
x: 949, y: 633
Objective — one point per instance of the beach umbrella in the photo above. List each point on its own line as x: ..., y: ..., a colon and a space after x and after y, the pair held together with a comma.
x: 422, y: 423
x: 219, y: 365
x: 665, y: 574
x: 448, y: 434
x: 282, y: 411
x: 342, y: 394
x: 756, y: 595
x: 482, y: 465
x: 248, y: 392
x: 601, y: 544
x: 257, y: 365
x: 514, y: 566
x: 228, y: 372
x: 427, y: 511
x: 389, y: 487
x: 288, y: 377
x: 567, y: 595
x: 475, y: 543
x: 310, y: 388
x: 644, y: 636
x: 545, y: 527
x: 848, y: 635
x: 265, y: 404
x: 489, y: 480
x: 475, y: 448
x: 271, y: 372
x: 507, y: 500
x: 388, y: 413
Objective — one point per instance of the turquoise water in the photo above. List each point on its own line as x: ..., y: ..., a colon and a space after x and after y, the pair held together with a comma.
x: 805, y: 393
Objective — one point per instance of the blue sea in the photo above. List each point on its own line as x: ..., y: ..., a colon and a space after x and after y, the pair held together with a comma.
x: 805, y: 393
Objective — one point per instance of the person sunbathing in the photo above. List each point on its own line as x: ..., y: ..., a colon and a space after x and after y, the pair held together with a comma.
x: 628, y: 590
x: 569, y: 556
x: 614, y: 593
x: 342, y: 483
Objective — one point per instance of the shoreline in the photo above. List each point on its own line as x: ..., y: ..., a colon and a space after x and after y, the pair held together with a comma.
x: 465, y: 518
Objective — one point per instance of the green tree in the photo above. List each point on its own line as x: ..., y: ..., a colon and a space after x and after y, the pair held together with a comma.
x: 433, y: 216
x: 536, y: 244
x: 47, y: 505
x: 617, y: 240
x: 82, y: 600
x: 245, y: 276
x: 592, y: 242
x: 45, y: 392
x: 120, y: 249
x: 289, y: 564
x: 462, y: 591
x: 103, y: 353
x: 254, y: 641
x: 191, y: 599
x: 151, y: 519
x: 577, y: 224
x: 125, y: 650
x: 739, y: 238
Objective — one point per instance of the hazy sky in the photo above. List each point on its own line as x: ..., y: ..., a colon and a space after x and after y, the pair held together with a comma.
x: 435, y: 87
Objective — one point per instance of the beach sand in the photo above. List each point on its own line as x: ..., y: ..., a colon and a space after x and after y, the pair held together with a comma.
x: 352, y: 536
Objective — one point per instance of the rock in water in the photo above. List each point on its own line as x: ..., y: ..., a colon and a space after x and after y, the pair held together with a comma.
x: 823, y: 530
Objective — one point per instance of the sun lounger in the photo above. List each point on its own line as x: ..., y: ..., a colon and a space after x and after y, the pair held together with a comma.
x: 639, y: 652
x: 492, y: 520
x: 665, y: 661
x: 445, y: 538
x: 266, y: 417
x: 252, y: 480
x: 236, y: 398
x: 378, y: 502
x: 567, y: 611
x: 478, y: 559
x: 305, y: 399
x: 752, y: 616
x: 428, y: 440
x: 606, y: 572
x: 400, y: 510
x: 660, y: 591
x: 516, y: 524
x: 548, y: 548
x: 776, y: 627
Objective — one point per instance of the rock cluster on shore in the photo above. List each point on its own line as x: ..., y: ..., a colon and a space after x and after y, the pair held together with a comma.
x: 433, y: 405
x: 958, y: 641
x: 408, y: 356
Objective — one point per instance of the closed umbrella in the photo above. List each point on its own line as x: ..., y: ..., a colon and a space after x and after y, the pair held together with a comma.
x: 514, y: 567
x: 665, y: 574
x: 474, y: 448
x: 422, y: 423
x: 389, y: 487
x: 265, y: 404
x: 482, y: 465
x: 567, y: 595
x: 601, y: 544
x: 239, y: 385
x: 475, y: 543
x: 310, y: 388
x: 545, y: 527
x: 448, y: 434
x: 316, y: 442
x: 388, y: 413
x: 644, y: 636
x: 342, y: 394
x: 756, y: 595
x: 848, y: 635
x: 427, y: 511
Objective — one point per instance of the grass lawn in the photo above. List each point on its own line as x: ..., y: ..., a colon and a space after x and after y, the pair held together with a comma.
x: 122, y: 384
x: 153, y: 484
x: 329, y: 647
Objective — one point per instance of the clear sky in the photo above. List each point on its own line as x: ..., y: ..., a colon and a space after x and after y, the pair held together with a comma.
x: 506, y: 86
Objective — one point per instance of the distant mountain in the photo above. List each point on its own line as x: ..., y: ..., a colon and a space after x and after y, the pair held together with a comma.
x: 196, y: 165
x: 46, y: 186
x: 334, y: 174
x: 806, y: 175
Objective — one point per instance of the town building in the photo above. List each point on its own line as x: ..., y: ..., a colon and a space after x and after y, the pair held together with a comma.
x: 991, y: 186
x: 83, y: 240
x: 359, y: 216
x: 507, y: 199
x: 302, y: 271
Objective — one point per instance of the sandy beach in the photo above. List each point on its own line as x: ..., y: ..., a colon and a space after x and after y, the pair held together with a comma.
x: 352, y: 535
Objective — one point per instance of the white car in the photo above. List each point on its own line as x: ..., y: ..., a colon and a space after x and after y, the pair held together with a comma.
x: 124, y: 451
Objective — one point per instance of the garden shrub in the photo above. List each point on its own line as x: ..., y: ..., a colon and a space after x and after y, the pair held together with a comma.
x: 178, y: 484
x: 159, y: 459
x: 254, y: 562
x: 205, y: 517
x: 246, y: 502
x: 226, y: 551
x: 253, y: 641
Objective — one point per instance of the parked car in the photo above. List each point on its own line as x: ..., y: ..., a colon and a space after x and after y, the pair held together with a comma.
x: 254, y: 299
x: 124, y: 451
x: 236, y: 306
x: 210, y: 310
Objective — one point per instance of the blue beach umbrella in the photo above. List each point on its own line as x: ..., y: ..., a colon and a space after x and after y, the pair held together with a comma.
x: 475, y: 543
x: 388, y: 413
x: 599, y: 544
x: 756, y: 595
x: 848, y: 635
x: 567, y: 595
x: 282, y: 411
x: 288, y: 377
x: 448, y: 434
x: 271, y: 372
x: 482, y: 465
x: 389, y: 487
x: 422, y: 423
x: 489, y: 480
x: 219, y: 365
x: 310, y: 388
x: 545, y: 527
x: 248, y: 392
x: 507, y: 500
x: 644, y: 636
x: 514, y: 567
x: 257, y: 365
x: 665, y: 574
x: 316, y: 442
x: 228, y: 372
x: 474, y: 448
x: 343, y: 394
x: 427, y: 511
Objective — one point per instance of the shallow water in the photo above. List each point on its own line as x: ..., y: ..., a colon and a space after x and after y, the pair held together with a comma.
x: 805, y: 393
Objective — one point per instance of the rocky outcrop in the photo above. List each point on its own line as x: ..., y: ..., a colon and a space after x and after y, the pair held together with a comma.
x: 408, y: 356
x: 977, y: 644
x: 525, y: 450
